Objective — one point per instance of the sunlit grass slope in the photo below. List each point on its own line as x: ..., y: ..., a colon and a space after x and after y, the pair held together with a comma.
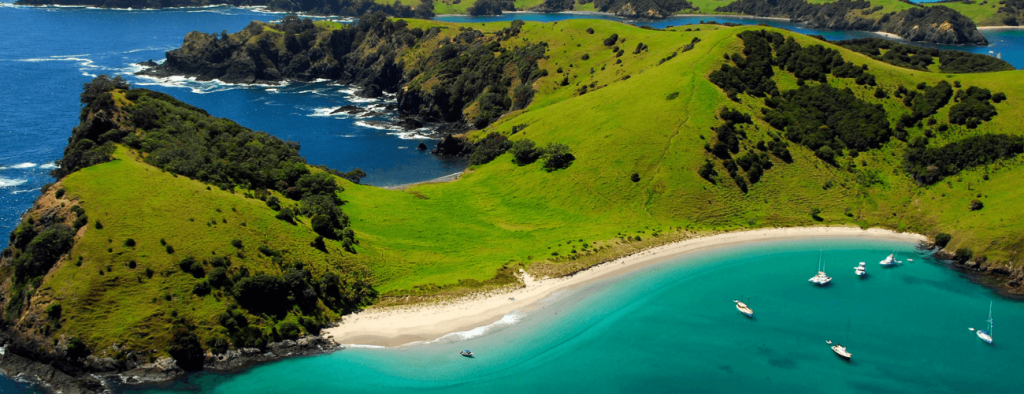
x: 655, y: 124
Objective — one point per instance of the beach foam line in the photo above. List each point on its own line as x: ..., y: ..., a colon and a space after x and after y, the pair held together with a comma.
x: 49, y: 166
x: 411, y: 135
x: 325, y: 112
x: 400, y: 325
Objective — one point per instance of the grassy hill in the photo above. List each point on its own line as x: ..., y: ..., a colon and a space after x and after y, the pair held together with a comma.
x: 640, y: 123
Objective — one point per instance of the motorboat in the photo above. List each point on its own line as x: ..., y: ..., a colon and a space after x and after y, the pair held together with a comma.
x: 889, y: 261
x: 841, y: 351
x: 466, y: 353
x: 860, y: 270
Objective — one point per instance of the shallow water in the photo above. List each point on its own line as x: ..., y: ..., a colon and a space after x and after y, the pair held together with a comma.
x: 672, y: 327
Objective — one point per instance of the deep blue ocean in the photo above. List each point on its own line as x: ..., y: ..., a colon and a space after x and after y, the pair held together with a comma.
x: 46, y: 54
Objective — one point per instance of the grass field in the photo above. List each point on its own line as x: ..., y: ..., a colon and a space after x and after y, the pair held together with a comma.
x: 649, y: 114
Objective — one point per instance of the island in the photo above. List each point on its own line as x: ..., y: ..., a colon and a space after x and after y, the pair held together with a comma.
x: 174, y: 241
x: 929, y: 22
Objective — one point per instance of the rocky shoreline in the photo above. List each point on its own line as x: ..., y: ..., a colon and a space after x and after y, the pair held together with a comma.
x: 99, y: 375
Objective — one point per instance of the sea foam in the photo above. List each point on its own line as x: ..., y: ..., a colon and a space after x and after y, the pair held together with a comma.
x: 5, y: 182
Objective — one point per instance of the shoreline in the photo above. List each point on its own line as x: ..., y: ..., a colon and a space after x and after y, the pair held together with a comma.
x: 405, y: 325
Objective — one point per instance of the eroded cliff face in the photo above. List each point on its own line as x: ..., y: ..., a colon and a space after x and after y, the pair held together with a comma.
x: 939, y: 25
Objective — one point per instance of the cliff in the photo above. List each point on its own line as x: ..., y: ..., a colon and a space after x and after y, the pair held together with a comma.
x: 457, y: 70
x: 637, y: 9
x: 938, y: 24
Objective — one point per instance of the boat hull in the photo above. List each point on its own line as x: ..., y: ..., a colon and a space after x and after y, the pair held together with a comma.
x: 984, y: 336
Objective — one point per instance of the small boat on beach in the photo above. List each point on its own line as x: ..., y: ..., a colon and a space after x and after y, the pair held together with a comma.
x: 743, y: 308
x: 860, y: 270
x: 466, y: 353
x: 986, y: 335
x: 821, y: 279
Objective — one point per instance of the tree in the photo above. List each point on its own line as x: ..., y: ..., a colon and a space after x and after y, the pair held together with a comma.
x: 964, y: 254
x: 707, y: 171
x: 976, y: 205
x: 525, y: 152
x: 826, y: 153
x: 186, y: 349
x: 558, y: 157
x: 942, y: 239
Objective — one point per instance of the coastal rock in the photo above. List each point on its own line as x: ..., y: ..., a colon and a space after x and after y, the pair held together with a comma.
x: 349, y: 109
x: 241, y: 358
x: 161, y: 370
x: 937, y: 24
x: 421, y: 147
x: 148, y: 63
x: 410, y: 123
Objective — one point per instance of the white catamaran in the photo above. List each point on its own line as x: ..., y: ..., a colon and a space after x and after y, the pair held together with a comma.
x: 821, y: 279
x: 986, y: 335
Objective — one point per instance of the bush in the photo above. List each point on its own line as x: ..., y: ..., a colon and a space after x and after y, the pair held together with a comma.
x: 826, y: 153
x: 217, y: 345
x: 942, y: 239
x: 186, y: 349
x: 525, y: 152
x: 558, y: 157
x: 976, y: 205
x: 287, y: 215
x: 77, y: 349
x: 590, y: 30
x: 635, y: 177
x: 611, y: 40
x: 964, y: 255
x: 54, y: 311
x: 42, y: 252
x: 59, y: 193
x: 129, y: 243
x: 169, y: 249
x: 218, y: 277
x: 236, y: 243
x: 707, y: 171
x: 201, y: 289
x: 262, y: 293
x: 816, y: 214
x: 289, y: 330
x: 489, y: 148
x: 274, y: 203
x: 318, y: 243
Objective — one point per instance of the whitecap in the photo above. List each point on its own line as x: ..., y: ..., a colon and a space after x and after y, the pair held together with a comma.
x: 411, y: 135
x: 326, y: 112
x: 49, y: 166
x: 4, y: 182
x: 20, y: 166
x: 24, y: 191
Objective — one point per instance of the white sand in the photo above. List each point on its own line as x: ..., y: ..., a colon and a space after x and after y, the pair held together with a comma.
x: 1000, y: 27
x: 402, y: 325
x: 890, y: 35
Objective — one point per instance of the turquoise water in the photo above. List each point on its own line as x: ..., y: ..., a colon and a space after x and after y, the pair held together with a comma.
x: 672, y: 327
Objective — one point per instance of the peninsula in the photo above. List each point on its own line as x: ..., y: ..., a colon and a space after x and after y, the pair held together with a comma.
x: 174, y: 240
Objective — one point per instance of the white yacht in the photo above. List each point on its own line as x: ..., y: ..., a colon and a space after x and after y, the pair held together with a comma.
x: 889, y: 261
x: 743, y: 308
x: 821, y: 279
x: 840, y: 350
x: 986, y: 335
x: 860, y: 270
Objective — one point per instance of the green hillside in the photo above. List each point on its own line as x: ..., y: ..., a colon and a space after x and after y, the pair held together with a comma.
x: 653, y: 140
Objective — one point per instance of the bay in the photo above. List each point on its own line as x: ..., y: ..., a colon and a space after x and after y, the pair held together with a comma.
x: 672, y: 327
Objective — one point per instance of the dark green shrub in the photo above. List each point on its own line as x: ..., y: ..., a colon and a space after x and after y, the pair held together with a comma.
x: 611, y: 40
x: 287, y: 215
x: 186, y: 349
x: 964, y: 255
x: 274, y: 203
x: 129, y: 243
x: 236, y: 243
x: 218, y: 277
x: 169, y: 249
x: 942, y: 239
x: 976, y: 205
x: 558, y: 157
x: 59, y: 193
x: 635, y: 177
x: 218, y: 344
x: 77, y: 349
x: 81, y: 221
x: 525, y: 152
x: 289, y: 330
x: 201, y: 289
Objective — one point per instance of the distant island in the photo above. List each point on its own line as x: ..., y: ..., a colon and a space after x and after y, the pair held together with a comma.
x: 174, y: 241
x: 938, y: 23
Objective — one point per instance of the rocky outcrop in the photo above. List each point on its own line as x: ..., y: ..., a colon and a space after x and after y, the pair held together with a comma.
x: 314, y: 7
x: 938, y: 24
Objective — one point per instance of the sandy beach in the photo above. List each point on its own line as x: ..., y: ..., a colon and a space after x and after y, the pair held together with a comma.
x: 398, y: 326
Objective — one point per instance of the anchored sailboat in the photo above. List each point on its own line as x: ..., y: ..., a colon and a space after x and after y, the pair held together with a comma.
x: 821, y: 279
x: 840, y: 350
x: 986, y: 335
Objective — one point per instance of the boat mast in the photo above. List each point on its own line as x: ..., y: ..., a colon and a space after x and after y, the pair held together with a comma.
x: 990, y: 318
